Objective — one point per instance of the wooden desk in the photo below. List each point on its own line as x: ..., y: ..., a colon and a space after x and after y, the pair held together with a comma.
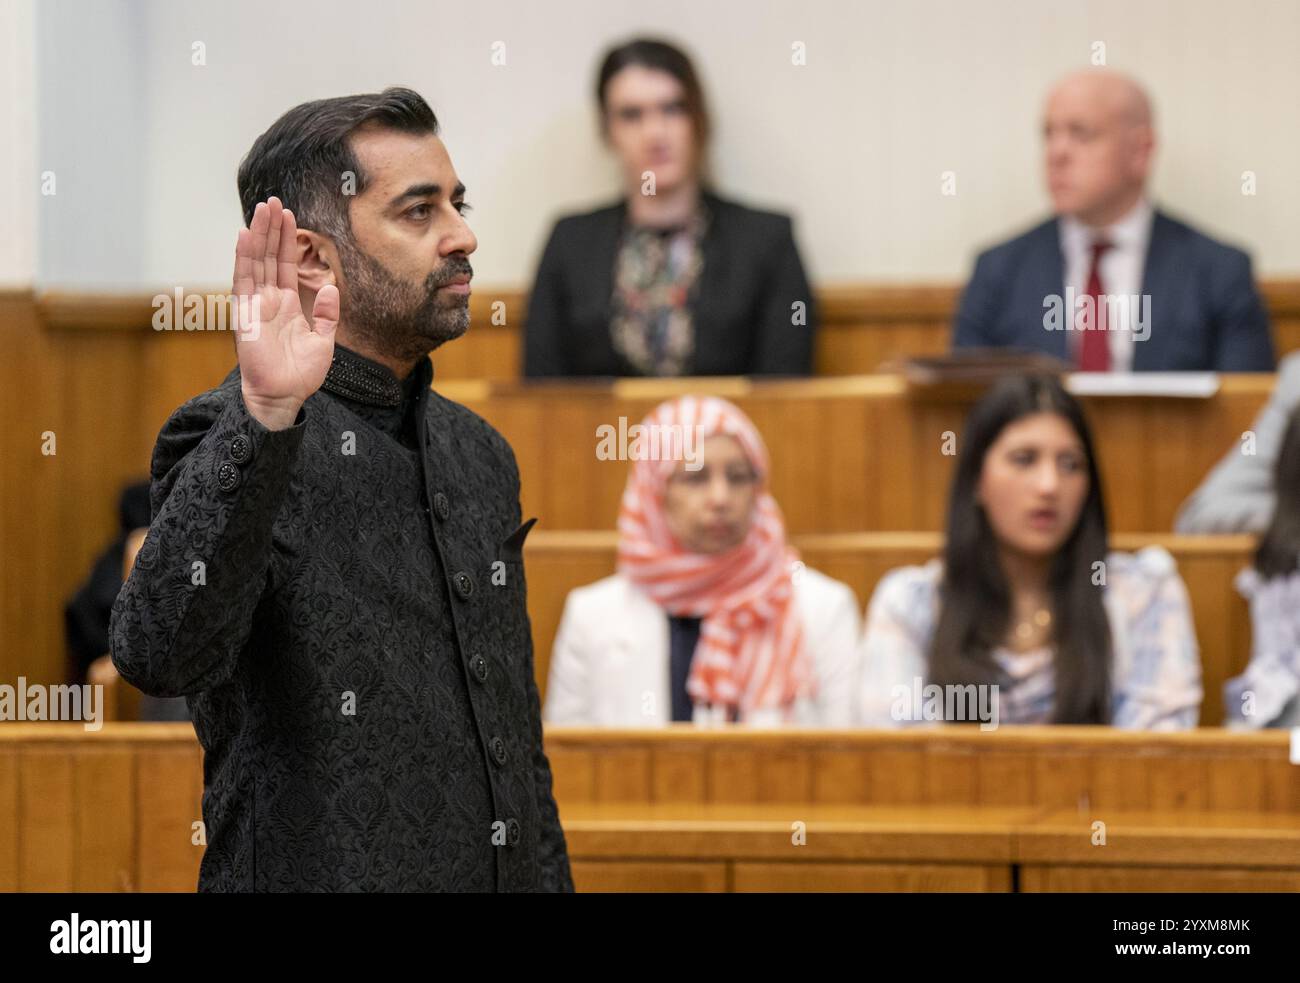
x: 688, y: 809
x: 948, y: 809
x: 860, y: 453
x: 798, y: 847
x: 862, y: 326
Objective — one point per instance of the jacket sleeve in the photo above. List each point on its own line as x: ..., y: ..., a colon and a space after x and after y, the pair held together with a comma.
x: 545, y: 325
x: 567, y: 689
x: 895, y: 638
x: 784, y: 347
x: 1160, y: 687
x: 553, y: 854
x: 835, y: 645
x: 1245, y: 343
x: 219, y: 479
x: 1238, y: 495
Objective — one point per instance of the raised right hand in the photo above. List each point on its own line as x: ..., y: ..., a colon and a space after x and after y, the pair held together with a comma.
x: 283, y: 357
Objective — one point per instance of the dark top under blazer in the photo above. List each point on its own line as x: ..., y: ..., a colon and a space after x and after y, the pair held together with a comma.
x: 741, y: 304
x: 1205, y: 312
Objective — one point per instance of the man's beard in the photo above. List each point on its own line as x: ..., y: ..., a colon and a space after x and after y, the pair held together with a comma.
x: 398, y: 319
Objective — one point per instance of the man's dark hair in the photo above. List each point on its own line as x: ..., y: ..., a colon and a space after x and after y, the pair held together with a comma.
x: 303, y: 157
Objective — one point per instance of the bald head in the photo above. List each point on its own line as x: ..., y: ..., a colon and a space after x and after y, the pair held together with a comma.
x: 1099, y: 142
x: 1112, y: 94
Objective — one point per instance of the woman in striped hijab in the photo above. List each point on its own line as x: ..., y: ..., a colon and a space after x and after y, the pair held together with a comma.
x: 711, y: 617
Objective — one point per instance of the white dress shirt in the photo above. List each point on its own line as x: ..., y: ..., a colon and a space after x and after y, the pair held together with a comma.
x: 1122, y: 268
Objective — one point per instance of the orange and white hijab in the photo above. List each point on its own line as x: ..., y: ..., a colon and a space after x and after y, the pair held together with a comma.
x: 751, y: 655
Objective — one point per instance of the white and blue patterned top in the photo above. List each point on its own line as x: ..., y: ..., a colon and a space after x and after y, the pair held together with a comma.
x: 1156, y: 667
x: 1267, y: 694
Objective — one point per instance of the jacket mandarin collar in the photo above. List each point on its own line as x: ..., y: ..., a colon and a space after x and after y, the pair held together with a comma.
x: 362, y: 380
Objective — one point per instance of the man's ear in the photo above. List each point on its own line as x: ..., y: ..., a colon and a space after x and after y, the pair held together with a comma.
x: 317, y: 261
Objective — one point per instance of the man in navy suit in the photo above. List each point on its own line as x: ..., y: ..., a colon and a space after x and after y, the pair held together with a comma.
x: 1111, y: 283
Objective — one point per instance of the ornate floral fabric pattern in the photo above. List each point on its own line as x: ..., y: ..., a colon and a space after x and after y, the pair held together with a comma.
x: 652, y: 325
x: 343, y: 604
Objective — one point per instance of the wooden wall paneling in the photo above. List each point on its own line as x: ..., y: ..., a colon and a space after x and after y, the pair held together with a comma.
x: 10, y: 823
x: 47, y: 819
x: 104, y: 818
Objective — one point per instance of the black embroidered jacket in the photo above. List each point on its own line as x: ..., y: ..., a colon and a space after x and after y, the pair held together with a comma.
x: 342, y: 603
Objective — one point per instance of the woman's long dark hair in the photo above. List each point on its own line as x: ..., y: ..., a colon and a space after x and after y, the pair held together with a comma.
x: 976, y: 598
x: 1278, y: 553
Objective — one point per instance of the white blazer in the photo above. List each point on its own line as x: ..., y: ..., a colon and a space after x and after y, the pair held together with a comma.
x: 611, y: 662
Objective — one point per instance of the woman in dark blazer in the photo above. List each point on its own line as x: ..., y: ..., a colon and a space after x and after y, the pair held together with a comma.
x: 672, y: 280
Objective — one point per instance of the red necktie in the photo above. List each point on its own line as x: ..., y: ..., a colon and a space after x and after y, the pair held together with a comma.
x: 1094, y: 348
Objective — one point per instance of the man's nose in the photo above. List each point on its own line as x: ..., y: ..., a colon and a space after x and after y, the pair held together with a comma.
x: 460, y: 239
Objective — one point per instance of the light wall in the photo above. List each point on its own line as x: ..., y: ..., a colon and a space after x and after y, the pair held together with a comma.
x: 145, y: 144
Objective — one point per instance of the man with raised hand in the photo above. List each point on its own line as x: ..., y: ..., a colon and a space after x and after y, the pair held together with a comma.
x: 333, y: 575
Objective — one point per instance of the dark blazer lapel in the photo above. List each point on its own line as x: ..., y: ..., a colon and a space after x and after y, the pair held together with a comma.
x: 704, y: 316
x: 602, y: 254
x: 1159, y: 276
x: 1048, y: 278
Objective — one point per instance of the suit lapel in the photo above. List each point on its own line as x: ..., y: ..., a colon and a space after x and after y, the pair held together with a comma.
x: 1048, y: 280
x: 603, y: 254
x: 711, y: 276
x: 1158, y: 271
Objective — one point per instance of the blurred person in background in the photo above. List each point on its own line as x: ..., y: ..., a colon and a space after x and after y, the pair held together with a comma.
x: 1182, y: 300
x: 710, y: 618
x: 672, y: 279
x: 1267, y: 694
x: 1028, y: 597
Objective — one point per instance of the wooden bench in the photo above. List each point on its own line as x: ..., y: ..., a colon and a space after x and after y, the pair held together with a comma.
x: 683, y: 808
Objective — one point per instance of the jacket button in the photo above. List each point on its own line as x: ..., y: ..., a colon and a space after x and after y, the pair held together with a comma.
x: 464, y: 584
x: 480, y: 668
x: 228, y: 477
x: 241, y: 449
x: 512, y: 832
x: 498, y: 748
x: 441, y: 506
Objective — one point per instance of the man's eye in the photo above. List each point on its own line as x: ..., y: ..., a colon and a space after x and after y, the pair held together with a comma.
x: 463, y: 206
x: 418, y: 213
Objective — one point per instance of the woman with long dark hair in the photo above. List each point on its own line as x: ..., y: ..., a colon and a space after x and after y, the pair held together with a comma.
x: 1028, y: 611
x: 672, y: 279
x: 1267, y: 694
